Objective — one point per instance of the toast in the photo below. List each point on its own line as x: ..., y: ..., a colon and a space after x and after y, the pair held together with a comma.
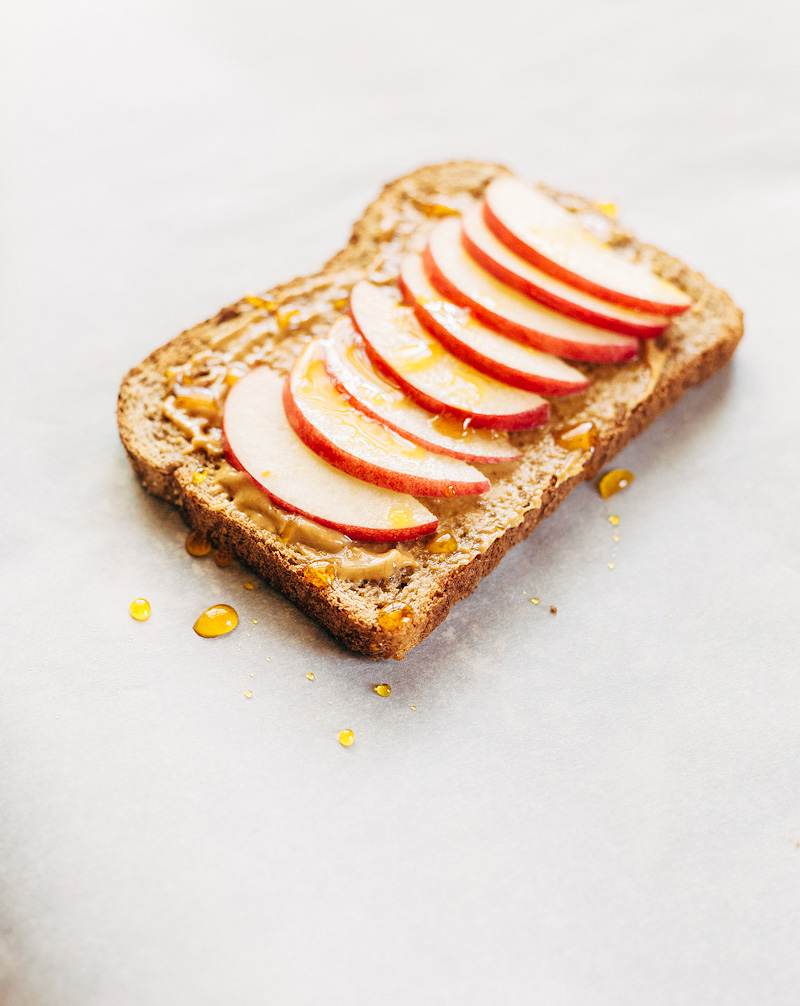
x: 178, y: 455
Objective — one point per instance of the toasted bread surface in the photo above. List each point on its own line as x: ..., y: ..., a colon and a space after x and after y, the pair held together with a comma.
x: 622, y: 400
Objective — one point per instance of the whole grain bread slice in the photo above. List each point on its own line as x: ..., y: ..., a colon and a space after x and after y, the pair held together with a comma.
x: 271, y: 328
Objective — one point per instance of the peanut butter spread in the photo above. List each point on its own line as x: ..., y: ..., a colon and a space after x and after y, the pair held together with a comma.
x: 352, y: 561
x: 273, y: 332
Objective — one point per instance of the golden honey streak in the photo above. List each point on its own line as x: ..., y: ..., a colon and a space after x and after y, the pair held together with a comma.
x: 370, y: 377
x: 352, y: 561
x: 317, y: 389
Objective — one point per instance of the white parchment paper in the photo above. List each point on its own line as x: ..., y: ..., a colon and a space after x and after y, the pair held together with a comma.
x: 599, y: 806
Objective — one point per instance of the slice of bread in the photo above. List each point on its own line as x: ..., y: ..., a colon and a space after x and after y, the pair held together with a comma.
x: 623, y: 400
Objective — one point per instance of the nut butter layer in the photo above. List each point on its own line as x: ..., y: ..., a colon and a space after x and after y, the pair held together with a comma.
x: 169, y: 418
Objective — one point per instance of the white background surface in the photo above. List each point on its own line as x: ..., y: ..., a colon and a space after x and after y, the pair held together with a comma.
x: 597, y: 807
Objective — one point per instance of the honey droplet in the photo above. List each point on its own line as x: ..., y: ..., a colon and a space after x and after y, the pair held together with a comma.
x: 384, y: 690
x: 613, y: 482
x: 320, y: 572
x: 400, y: 516
x: 443, y: 541
x: 140, y: 609
x: 534, y: 600
x: 413, y: 707
x: 611, y: 565
x: 265, y: 305
x: 197, y: 544
x: 582, y: 437
x: 616, y: 537
x: 248, y: 585
x: 393, y: 615
x: 346, y: 738
x: 223, y: 559
x: 285, y: 318
x: 235, y: 372
x: 450, y: 491
x: 613, y: 519
x: 440, y: 210
x: 248, y: 695
x: 341, y: 303
x: 216, y: 621
x: 199, y: 475
x: 310, y: 675
x: 608, y: 209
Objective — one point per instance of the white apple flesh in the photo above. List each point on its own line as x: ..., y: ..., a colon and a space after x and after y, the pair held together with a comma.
x: 259, y: 441
x: 490, y: 253
x: 459, y: 331
x: 328, y: 423
x: 429, y: 374
x: 545, y: 234
x: 378, y: 396
x: 459, y: 278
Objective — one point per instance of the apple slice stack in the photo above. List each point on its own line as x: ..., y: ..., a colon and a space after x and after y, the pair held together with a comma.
x: 424, y: 381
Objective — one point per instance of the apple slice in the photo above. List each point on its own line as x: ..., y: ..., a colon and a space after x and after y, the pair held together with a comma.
x: 259, y: 441
x: 489, y: 252
x: 378, y: 396
x: 437, y: 380
x: 550, y: 237
x: 486, y: 350
x: 462, y: 280
x: 334, y: 429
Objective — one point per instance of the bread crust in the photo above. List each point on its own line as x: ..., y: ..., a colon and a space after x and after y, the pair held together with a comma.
x: 693, y: 350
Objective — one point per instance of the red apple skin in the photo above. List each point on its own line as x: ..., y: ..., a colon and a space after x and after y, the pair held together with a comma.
x: 385, y: 536
x: 483, y: 459
x: 427, y: 522
x: 519, y: 421
x: 519, y: 247
x: 646, y: 328
x: 500, y: 371
x: 365, y: 534
x: 547, y: 343
x: 401, y: 482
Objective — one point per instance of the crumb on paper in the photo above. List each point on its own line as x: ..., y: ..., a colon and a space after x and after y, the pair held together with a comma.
x: 553, y: 609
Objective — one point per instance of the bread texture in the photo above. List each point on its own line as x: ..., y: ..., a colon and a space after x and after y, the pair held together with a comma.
x: 271, y: 329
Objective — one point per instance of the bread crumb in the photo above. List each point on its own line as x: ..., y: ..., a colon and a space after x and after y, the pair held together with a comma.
x: 553, y: 609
